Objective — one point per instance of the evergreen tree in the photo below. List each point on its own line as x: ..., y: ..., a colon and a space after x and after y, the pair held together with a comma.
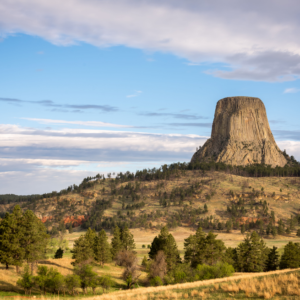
x: 83, y: 249
x: 291, y: 256
x: 243, y: 229
x: 59, y: 253
x: 11, y: 235
x: 273, y: 260
x: 127, y: 239
x: 116, y: 243
x: 102, y: 248
x: 165, y: 242
x: 82, y: 252
x: 209, y: 250
x: 191, y: 244
x: 36, y: 238
x: 252, y: 254
x: 70, y: 228
x: 90, y: 237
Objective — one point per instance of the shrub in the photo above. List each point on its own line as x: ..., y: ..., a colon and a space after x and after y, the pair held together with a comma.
x: 105, y: 282
x: 156, y: 281
x: 219, y: 270
x: 26, y: 281
x: 59, y: 253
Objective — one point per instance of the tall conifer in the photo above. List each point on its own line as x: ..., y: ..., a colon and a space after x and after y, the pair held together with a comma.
x: 11, y: 235
x: 102, y: 248
x: 116, y: 243
x: 127, y: 239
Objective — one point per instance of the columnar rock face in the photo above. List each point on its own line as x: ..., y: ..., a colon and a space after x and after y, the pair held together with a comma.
x: 241, y: 135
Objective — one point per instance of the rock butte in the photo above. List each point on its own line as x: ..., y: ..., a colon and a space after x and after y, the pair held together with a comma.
x: 241, y: 135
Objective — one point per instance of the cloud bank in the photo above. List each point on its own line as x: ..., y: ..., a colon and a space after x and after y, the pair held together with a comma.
x: 253, y: 40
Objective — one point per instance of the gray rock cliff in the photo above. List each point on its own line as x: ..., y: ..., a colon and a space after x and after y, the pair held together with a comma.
x: 241, y: 135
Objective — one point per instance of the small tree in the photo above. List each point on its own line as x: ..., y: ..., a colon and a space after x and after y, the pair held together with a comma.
x: 59, y: 253
x: 72, y: 282
x: 243, y: 229
x: 116, y: 243
x: 128, y: 259
x: 273, y: 260
x: 102, y: 248
x: 55, y: 281
x: 127, y: 239
x: 252, y: 254
x: 26, y: 281
x: 291, y: 256
x: 87, y: 275
x: 158, y: 266
x: 41, y: 278
x: 105, y: 282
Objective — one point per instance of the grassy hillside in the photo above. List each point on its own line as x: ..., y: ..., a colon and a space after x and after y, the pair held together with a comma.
x: 179, y: 202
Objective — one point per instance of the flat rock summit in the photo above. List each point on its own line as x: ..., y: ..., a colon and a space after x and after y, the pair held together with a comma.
x: 241, y: 135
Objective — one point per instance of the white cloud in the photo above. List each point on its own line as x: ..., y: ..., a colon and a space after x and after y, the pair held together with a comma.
x: 83, y: 123
x: 256, y: 39
x: 15, y: 136
x: 41, y: 162
x: 135, y: 94
x: 291, y: 90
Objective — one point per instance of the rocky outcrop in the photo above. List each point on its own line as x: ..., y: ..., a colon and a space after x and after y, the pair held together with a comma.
x: 241, y: 135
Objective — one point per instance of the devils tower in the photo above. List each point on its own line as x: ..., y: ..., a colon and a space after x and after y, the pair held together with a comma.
x: 241, y: 135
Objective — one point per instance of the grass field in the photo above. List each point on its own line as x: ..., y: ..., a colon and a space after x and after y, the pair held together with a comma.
x: 283, y: 284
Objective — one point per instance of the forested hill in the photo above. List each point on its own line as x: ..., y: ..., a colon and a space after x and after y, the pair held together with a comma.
x: 214, y: 195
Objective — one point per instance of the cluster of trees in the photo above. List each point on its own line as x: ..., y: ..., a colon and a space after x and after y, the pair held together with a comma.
x: 23, y: 237
x: 207, y: 257
x: 52, y: 281
x: 92, y: 247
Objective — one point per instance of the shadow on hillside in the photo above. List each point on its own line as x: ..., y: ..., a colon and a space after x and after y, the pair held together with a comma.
x: 8, y: 287
x: 46, y: 262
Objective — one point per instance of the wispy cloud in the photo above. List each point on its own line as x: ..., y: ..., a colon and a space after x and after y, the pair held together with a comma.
x: 291, y: 90
x: 135, y: 94
x: 50, y: 103
x: 83, y: 123
x: 173, y: 115
x: 208, y: 125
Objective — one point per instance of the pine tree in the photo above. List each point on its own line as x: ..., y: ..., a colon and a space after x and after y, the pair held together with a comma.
x: 11, y: 234
x: 82, y: 252
x: 273, y: 260
x: 191, y: 244
x: 291, y: 256
x: 252, y: 254
x: 127, y: 239
x: 209, y: 250
x: 102, y: 248
x: 165, y: 242
x: 36, y: 239
x: 90, y: 237
x: 116, y: 243
x: 243, y: 229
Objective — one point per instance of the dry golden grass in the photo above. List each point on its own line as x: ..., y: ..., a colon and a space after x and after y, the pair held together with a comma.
x: 281, y: 284
x: 267, y: 285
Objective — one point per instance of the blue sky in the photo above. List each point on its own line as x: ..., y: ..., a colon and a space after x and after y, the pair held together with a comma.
x: 93, y: 87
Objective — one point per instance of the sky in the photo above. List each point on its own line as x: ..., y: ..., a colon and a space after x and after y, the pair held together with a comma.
x: 99, y: 86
